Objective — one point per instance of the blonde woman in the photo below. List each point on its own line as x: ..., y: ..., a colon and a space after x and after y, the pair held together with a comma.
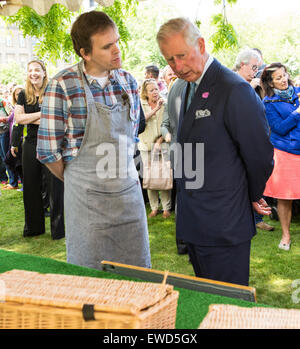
x: 27, y: 112
x: 151, y: 139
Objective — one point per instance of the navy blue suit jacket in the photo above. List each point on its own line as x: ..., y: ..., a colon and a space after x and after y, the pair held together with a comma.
x: 228, y: 119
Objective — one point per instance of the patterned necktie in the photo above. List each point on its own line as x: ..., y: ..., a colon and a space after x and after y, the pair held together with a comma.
x: 191, y: 94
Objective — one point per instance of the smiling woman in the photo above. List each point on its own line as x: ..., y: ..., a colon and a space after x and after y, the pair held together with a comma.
x: 36, y: 75
x: 27, y: 112
x: 36, y: 82
x: 33, y: 95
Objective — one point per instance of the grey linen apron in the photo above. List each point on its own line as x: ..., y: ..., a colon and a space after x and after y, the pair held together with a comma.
x: 105, y: 215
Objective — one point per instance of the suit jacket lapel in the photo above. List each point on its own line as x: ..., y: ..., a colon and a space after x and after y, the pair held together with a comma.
x: 182, y: 108
x: 198, y: 101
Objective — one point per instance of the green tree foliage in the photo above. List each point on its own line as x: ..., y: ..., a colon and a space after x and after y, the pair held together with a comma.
x: 12, y: 72
x: 225, y: 35
x: 54, y: 41
x: 276, y: 36
x: 120, y: 12
x: 142, y: 48
x: 53, y: 29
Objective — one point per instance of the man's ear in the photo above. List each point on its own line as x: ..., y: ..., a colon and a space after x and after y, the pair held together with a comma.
x: 201, y: 45
x: 84, y: 55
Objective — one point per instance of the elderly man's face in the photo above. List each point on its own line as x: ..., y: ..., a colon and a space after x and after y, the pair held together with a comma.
x: 248, y: 71
x: 186, y: 61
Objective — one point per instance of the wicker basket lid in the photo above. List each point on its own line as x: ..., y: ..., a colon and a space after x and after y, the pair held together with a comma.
x: 221, y: 316
x: 120, y: 296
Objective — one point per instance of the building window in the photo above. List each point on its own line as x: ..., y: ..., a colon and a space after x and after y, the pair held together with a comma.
x: 22, y: 41
x: 9, y: 41
x: 10, y: 57
x: 23, y: 59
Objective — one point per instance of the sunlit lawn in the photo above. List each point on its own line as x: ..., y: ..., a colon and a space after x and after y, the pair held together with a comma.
x: 272, y: 270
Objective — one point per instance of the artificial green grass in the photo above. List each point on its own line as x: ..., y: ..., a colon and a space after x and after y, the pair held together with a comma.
x: 192, y: 305
x: 272, y: 271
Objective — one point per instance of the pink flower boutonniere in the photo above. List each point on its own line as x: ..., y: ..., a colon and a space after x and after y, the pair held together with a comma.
x: 205, y: 94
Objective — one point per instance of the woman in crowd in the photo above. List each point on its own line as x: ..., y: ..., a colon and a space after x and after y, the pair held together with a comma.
x: 14, y: 97
x: 5, y: 110
x: 169, y: 76
x: 27, y: 112
x: 151, y: 140
x: 283, y: 113
x: 13, y: 160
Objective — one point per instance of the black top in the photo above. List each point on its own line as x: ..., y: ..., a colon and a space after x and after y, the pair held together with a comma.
x: 31, y: 128
x: 142, y: 123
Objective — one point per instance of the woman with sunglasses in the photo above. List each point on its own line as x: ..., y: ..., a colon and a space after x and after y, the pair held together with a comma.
x: 27, y: 112
x: 283, y: 113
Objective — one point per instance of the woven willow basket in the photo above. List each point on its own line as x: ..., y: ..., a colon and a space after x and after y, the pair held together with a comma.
x: 222, y: 316
x: 52, y: 301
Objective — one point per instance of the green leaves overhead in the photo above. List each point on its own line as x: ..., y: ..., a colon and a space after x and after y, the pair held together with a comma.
x: 120, y: 12
x: 52, y: 30
x: 225, y: 35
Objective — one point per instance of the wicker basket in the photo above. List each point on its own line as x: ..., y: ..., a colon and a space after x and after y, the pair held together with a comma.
x: 54, y: 301
x: 234, y: 317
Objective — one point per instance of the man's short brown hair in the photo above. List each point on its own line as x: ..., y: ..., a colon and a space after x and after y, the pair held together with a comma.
x: 85, y: 26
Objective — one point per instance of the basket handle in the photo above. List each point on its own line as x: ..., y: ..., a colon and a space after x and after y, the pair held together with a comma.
x: 163, y: 284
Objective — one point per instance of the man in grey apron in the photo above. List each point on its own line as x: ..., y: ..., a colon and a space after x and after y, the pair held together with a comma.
x: 86, y: 137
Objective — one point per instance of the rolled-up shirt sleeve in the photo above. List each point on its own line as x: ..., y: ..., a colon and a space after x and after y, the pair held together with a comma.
x: 51, y: 133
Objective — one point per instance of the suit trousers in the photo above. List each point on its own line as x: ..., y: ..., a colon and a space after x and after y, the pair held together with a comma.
x: 33, y: 197
x: 221, y: 263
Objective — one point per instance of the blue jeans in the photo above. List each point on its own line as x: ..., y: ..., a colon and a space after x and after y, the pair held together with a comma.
x: 258, y: 217
x: 3, y: 175
x: 4, y: 147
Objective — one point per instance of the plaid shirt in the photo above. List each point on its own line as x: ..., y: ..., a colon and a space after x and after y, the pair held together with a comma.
x: 64, y: 110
